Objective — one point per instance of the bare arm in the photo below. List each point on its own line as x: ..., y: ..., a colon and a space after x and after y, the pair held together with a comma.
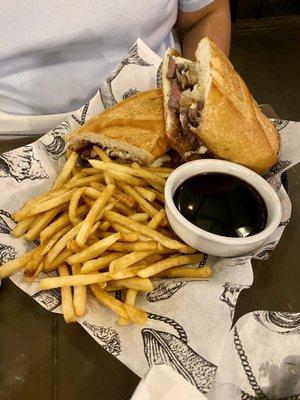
x: 212, y: 21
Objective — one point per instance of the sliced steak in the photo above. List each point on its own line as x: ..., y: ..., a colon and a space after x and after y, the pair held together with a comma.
x: 84, y: 154
x: 174, y: 100
x: 172, y: 68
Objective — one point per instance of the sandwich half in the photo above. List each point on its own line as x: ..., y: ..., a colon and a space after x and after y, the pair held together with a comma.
x: 210, y: 113
x: 132, y: 130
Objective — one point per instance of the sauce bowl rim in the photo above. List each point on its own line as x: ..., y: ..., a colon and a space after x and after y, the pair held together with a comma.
x: 223, y: 166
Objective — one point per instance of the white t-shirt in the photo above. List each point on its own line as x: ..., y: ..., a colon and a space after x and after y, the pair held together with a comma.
x: 54, y: 53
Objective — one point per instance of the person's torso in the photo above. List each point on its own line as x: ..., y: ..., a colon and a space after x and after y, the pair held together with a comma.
x: 53, y: 54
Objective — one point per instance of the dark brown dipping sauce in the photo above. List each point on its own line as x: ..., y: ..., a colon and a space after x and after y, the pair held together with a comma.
x: 221, y: 204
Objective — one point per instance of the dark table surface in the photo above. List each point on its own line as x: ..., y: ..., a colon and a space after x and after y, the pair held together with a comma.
x: 41, y: 357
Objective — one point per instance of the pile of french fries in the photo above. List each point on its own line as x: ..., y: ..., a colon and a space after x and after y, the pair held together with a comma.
x: 103, y: 228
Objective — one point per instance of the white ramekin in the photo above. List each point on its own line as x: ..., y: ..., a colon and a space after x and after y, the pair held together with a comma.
x: 208, y: 242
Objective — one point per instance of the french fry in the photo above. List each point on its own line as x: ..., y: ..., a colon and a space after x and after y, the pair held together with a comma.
x: 130, y: 299
x: 39, y: 269
x: 66, y: 296
x: 136, y: 314
x: 69, y: 152
x: 104, y: 157
x: 165, y: 232
x: 60, y: 223
x: 157, y: 219
x: 79, y: 294
x: 32, y: 266
x: 182, y: 272
x: 51, y: 194
x: 76, y: 183
x: 124, y: 237
x: 139, y: 217
x: 100, y: 263
x: 159, y: 196
x: 140, y: 284
x: 61, y: 244
x: 92, y: 192
x: 112, y: 288
x: 126, y: 200
x: 123, y: 310
x: 143, y: 203
x: 104, y: 225
x: 93, y: 213
x: 75, y: 171
x: 73, y: 206
x: 146, y: 231
x: 139, y: 172
x: 112, y: 204
x: 115, y: 305
x: 15, y: 265
x: 158, y: 188
x: 108, y: 207
x: 41, y: 222
x: 74, y: 280
x: 131, y: 180
x: 66, y: 171
x: 146, y: 193
x: 48, y: 245
x: 58, y: 260
x: 164, y: 175
x: 73, y: 246
x: 23, y: 226
x: 101, y: 154
x: 169, y: 262
x: 127, y: 260
x: 123, y: 209
x: 37, y: 208
x: 135, y: 246
x: 129, y: 237
x: 93, y: 229
x: 131, y: 271
x: 153, y: 258
x: 160, y: 169
x: 94, y: 250
x: 88, y: 200
x: 79, y: 175
x: 119, y: 228
x: 91, y: 171
x: 157, y: 206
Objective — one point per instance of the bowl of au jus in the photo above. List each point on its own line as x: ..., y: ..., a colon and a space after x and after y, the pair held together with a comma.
x: 221, y: 208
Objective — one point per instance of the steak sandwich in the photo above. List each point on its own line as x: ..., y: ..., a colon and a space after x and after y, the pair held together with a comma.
x: 210, y: 113
x: 132, y: 130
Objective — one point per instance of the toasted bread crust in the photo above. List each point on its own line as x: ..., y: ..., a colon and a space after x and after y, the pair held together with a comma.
x: 135, y: 125
x: 232, y: 126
